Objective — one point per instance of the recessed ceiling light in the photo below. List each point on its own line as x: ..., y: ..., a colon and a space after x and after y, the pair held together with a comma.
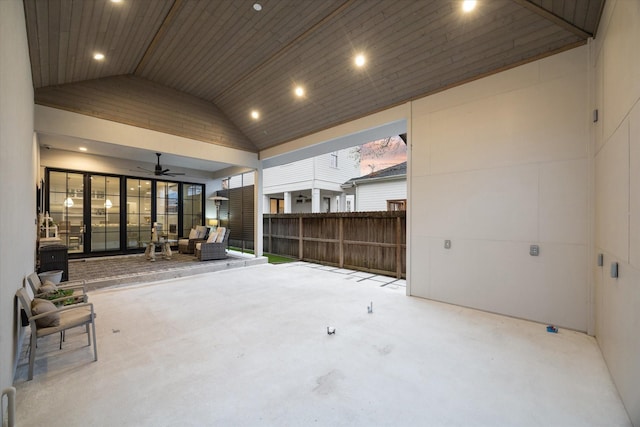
x: 82, y: 148
x: 299, y: 91
x: 98, y: 56
x: 468, y: 5
x: 255, y: 115
x: 360, y: 60
x: 257, y: 7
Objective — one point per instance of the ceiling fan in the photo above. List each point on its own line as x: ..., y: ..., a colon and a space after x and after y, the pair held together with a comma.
x: 158, y: 171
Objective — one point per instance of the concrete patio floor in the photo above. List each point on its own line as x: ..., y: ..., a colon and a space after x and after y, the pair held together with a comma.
x: 249, y: 347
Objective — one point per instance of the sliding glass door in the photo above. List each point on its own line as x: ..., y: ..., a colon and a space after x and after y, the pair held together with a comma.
x: 105, y: 213
x: 192, y: 207
x: 139, y: 212
x: 167, y: 208
x: 98, y: 213
x: 66, y: 208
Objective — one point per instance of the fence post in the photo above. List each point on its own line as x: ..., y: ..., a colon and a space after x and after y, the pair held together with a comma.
x: 300, y: 242
x: 341, y: 241
x: 398, y: 248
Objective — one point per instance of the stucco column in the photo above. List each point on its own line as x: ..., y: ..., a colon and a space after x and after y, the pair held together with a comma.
x: 315, y: 200
x: 258, y: 200
x: 287, y: 202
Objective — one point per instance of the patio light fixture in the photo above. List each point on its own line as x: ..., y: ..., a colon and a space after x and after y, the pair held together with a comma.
x: 218, y: 200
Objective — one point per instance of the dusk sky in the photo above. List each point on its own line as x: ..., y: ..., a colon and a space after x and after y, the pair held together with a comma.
x: 376, y: 155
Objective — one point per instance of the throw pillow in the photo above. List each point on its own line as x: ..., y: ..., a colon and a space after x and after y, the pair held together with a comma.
x: 41, y: 306
x: 202, y: 231
x: 193, y: 234
x: 220, y: 237
x: 212, y: 236
x: 48, y: 287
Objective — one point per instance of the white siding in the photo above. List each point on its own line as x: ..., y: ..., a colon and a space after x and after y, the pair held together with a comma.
x: 373, y: 196
x: 294, y: 176
x: 347, y: 168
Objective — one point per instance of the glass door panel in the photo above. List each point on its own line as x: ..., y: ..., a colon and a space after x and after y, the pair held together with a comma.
x: 66, y: 207
x: 192, y: 207
x: 138, y: 213
x: 167, y: 208
x: 105, y: 213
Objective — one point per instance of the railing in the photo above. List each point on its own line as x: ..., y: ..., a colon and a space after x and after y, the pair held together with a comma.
x: 366, y: 241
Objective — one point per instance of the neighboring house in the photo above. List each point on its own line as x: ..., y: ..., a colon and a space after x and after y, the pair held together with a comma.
x: 310, y: 185
x: 383, y: 190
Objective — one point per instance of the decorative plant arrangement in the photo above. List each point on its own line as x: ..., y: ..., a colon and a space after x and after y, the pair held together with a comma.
x: 61, y: 293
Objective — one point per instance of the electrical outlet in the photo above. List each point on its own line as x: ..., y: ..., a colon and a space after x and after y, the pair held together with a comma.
x: 600, y: 260
x: 447, y: 244
x: 534, y: 250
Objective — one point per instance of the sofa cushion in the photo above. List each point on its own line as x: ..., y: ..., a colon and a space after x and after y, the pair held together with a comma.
x: 41, y: 306
x: 202, y: 231
x: 221, y: 233
x: 212, y: 236
x: 193, y: 234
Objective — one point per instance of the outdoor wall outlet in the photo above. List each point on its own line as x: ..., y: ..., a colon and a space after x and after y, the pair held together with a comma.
x: 600, y: 260
x: 447, y: 244
x: 534, y: 250
x: 614, y: 270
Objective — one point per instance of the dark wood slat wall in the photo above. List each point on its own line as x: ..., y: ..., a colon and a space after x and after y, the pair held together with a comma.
x: 140, y: 103
x: 240, y: 216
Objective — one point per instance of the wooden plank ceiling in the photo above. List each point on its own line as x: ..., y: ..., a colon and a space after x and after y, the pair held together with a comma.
x: 225, y: 53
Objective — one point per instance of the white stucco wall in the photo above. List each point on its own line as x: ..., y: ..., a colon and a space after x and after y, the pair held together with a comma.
x: 497, y: 165
x: 616, y: 60
x: 18, y: 171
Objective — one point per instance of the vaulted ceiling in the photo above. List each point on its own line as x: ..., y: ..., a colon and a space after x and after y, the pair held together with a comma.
x: 197, y: 68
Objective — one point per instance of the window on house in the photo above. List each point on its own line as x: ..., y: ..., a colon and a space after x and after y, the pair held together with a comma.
x: 334, y: 159
x: 277, y: 206
x: 397, y: 205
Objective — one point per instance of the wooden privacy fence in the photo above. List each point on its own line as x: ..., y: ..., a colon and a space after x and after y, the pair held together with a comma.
x: 367, y: 241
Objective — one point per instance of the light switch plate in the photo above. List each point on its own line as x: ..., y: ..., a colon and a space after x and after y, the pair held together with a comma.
x: 600, y: 260
x: 534, y: 250
x: 614, y: 270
